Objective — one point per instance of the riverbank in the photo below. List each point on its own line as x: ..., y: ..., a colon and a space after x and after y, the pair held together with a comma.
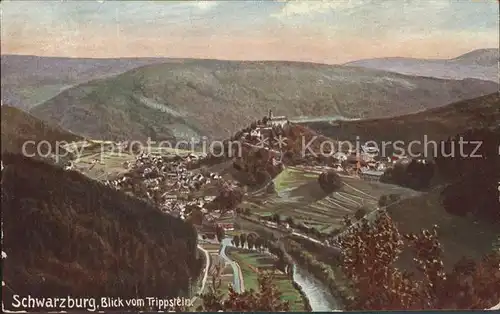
x: 330, y: 277
x: 318, y: 296
x: 303, y: 295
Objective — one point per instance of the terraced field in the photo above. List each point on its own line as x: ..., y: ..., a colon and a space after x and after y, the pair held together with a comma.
x: 298, y: 195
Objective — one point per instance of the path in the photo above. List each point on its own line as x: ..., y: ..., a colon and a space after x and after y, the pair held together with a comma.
x: 237, y: 275
x: 205, y: 275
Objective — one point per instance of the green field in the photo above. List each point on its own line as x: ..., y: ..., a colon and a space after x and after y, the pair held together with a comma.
x: 226, y: 275
x: 459, y: 236
x: 250, y: 261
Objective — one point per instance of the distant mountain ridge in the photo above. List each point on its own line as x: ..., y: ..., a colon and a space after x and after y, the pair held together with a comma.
x: 437, y: 124
x: 193, y: 98
x: 28, y: 80
x: 479, y: 64
x: 484, y: 57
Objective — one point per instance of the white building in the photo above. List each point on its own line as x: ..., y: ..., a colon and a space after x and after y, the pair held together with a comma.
x: 255, y: 133
x: 370, y: 149
x: 276, y: 120
x: 340, y: 156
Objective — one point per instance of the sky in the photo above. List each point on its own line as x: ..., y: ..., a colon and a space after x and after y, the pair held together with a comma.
x: 334, y: 31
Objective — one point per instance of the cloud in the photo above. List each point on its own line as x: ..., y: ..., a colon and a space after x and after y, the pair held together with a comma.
x: 309, y: 8
x: 321, y: 31
x: 383, y: 19
x: 203, y: 5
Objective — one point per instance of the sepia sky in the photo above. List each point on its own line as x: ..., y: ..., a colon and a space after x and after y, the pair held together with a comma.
x: 333, y: 31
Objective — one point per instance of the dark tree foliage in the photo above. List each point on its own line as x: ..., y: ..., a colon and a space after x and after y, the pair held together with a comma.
x: 276, y: 218
x: 243, y: 239
x: 386, y: 200
x: 251, y: 241
x: 196, y: 217
x: 369, y: 255
x: 65, y: 234
x: 220, y: 233
x: 414, y: 173
x: 229, y: 197
x: 473, y: 173
x: 236, y: 241
x: 360, y: 213
x: 266, y: 299
x: 330, y: 181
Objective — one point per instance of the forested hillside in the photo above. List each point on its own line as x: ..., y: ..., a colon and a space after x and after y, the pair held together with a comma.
x: 215, y: 98
x: 65, y: 234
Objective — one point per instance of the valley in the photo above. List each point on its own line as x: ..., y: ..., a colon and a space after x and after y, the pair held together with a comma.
x: 227, y: 182
x: 287, y: 219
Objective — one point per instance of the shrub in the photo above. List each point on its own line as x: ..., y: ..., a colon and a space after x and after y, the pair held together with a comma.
x: 330, y: 181
x: 360, y: 213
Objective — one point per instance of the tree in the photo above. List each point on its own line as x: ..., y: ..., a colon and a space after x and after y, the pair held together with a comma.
x: 250, y: 241
x: 220, y: 233
x: 347, y: 221
x: 229, y: 197
x: 413, y: 173
x: 243, y: 239
x: 330, y: 181
x: 276, y: 218
x: 236, y: 240
x: 369, y: 255
x: 259, y: 242
x: 360, y: 213
x: 266, y: 299
x: 196, y: 217
x: 383, y: 201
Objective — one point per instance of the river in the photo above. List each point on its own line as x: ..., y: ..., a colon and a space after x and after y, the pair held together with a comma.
x: 319, y: 297
x: 316, y: 292
x: 319, y: 119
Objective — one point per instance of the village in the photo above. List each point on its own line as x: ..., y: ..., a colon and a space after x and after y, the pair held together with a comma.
x: 363, y: 162
x: 180, y: 184
x: 167, y: 182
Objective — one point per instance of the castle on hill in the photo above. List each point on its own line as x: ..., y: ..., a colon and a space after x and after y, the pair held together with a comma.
x: 276, y: 120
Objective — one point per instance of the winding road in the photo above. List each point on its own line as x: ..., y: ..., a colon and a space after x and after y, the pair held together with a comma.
x: 237, y: 275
